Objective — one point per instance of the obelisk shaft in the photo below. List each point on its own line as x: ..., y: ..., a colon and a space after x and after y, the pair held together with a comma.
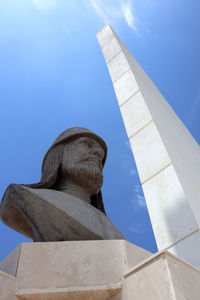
x: 166, y: 154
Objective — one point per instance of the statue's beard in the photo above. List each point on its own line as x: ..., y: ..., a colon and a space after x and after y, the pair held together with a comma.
x: 86, y: 175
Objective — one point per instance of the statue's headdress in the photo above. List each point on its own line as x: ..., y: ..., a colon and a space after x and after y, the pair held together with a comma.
x: 53, y: 157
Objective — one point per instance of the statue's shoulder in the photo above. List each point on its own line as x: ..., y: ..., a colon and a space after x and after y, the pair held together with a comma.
x: 23, y: 197
x: 12, y: 212
x: 13, y: 191
x: 12, y: 196
x: 58, y: 215
x: 21, y: 206
x: 17, y: 190
x: 14, y: 187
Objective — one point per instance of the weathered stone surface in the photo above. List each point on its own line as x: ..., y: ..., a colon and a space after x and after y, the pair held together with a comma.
x: 162, y: 277
x: 7, y: 287
x: 186, y: 249
x: 10, y: 263
x: 67, y: 203
x: 73, y: 270
x: 50, y: 215
x: 117, y: 296
x: 150, y: 281
x: 70, y: 264
x: 75, y: 293
x: 114, y: 270
x: 184, y: 278
x: 76, y: 264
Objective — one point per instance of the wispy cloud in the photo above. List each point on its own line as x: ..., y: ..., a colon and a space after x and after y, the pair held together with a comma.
x: 194, y: 108
x: 115, y: 10
x: 136, y: 229
x: 139, y: 200
x: 132, y: 172
x: 45, y: 6
x: 128, y: 14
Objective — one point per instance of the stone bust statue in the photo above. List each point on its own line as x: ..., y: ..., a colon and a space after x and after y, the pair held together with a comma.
x: 67, y: 203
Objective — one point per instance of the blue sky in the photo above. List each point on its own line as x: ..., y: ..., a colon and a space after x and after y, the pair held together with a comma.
x: 53, y: 76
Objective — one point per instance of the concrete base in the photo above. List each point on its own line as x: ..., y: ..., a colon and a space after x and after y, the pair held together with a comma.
x: 7, y: 287
x: 76, y: 293
x: 187, y: 249
x: 161, y: 277
x: 69, y: 270
x: 115, y: 270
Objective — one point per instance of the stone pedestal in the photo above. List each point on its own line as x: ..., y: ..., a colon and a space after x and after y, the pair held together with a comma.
x: 95, y: 270
x: 162, y: 277
x: 68, y: 270
x: 7, y: 286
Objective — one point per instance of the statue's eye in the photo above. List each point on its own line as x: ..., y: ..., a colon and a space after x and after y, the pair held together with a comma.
x: 86, y: 142
x: 82, y: 142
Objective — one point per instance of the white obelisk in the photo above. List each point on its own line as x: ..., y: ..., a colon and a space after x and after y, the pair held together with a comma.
x: 166, y: 154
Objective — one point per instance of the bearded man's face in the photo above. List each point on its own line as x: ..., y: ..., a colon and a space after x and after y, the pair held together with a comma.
x: 82, y: 163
